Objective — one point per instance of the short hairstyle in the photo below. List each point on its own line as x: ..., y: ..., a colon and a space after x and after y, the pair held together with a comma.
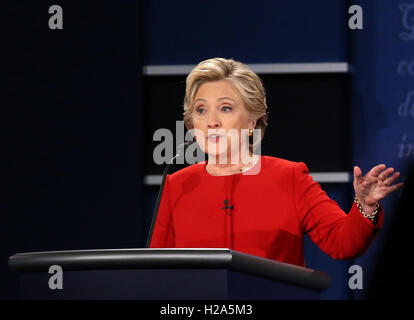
x: 248, y: 84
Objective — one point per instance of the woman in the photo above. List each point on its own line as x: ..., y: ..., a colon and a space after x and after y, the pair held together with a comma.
x: 255, y: 204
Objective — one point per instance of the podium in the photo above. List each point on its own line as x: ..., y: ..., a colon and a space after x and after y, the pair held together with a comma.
x: 164, y: 274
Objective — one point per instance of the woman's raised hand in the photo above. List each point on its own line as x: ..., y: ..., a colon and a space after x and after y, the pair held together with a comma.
x: 375, y: 185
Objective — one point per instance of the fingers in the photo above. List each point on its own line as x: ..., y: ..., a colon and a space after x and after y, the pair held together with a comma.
x: 375, y: 172
x: 357, y: 171
x: 389, y: 180
x: 395, y: 187
x: 379, y: 171
x: 358, y: 178
x: 384, y: 174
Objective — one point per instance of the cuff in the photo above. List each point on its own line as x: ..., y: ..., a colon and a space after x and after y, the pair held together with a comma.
x: 367, y: 222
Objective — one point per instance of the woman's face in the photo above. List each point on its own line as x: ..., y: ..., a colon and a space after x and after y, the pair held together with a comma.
x: 219, y: 115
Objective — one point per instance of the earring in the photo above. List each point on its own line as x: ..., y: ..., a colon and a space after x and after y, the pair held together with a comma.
x: 250, y: 132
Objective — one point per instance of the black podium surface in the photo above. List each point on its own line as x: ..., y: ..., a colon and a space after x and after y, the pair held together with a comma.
x: 164, y: 274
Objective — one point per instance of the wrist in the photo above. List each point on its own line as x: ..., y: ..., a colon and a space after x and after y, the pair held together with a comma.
x: 368, y: 211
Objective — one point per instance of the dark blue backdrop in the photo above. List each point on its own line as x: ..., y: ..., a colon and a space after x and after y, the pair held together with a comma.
x: 71, y: 168
x: 383, y: 130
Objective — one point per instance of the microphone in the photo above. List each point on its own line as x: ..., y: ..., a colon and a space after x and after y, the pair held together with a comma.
x: 226, y: 206
x: 181, y: 152
x: 181, y: 149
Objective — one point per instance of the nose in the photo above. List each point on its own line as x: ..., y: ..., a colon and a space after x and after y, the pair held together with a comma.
x: 213, y: 121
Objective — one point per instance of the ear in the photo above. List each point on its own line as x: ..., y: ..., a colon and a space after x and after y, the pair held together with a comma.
x: 252, y: 124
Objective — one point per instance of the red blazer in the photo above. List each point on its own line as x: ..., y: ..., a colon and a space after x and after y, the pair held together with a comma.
x: 270, y: 213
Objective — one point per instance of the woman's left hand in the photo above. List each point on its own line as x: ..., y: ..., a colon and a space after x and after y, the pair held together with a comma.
x: 375, y: 185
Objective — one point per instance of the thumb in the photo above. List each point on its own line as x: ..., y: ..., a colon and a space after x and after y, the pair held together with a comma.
x: 357, y: 173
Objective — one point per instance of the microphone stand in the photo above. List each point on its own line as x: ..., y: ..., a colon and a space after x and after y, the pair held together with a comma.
x: 181, y: 152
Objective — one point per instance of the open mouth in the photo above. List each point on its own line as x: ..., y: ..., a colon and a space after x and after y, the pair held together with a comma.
x: 214, y: 138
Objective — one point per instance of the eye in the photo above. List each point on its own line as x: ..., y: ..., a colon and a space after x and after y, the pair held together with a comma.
x: 227, y: 108
x: 200, y: 110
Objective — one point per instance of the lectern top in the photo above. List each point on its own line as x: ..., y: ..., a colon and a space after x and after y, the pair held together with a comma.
x: 170, y: 258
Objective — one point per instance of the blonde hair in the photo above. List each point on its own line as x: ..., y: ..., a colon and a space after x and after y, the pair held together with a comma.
x: 248, y: 84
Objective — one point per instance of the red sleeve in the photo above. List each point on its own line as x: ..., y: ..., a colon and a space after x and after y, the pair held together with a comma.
x: 340, y: 235
x: 163, y: 235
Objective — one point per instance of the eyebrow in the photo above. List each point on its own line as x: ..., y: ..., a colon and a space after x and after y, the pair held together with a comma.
x: 222, y: 98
